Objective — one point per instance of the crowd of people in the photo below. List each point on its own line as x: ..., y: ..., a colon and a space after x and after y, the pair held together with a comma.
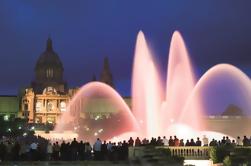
x: 35, y: 148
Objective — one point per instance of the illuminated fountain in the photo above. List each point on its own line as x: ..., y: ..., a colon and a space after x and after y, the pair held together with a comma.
x: 179, y: 111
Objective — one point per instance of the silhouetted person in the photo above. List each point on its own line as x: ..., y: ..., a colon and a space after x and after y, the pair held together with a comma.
x: 245, y: 141
x: 104, y: 151
x: 223, y: 141
x: 176, y: 141
x: 137, y: 142
x: 130, y: 142
x: 125, y: 150
x: 187, y: 143
x: 171, y: 141
x: 213, y: 143
x: 81, y: 151
x: 198, y: 142
x: 74, y: 149
x: 56, y: 150
x: 192, y: 143
x: 181, y: 142
x: 159, y: 141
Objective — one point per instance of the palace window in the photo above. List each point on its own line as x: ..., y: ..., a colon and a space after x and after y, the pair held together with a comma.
x: 49, y: 73
x: 62, y: 106
x: 38, y: 106
x: 49, y: 106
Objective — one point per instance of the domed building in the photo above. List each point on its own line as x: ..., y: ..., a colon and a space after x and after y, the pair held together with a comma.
x: 48, y: 95
x: 49, y: 71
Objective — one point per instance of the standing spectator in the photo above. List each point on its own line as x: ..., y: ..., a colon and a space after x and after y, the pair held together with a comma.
x: 81, y: 151
x: 238, y: 141
x: 130, y: 142
x: 88, y: 150
x: 56, y: 150
x: 33, y: 151
x: 245, y: 141
x: 137, y: 142
x: 228, y: 141
x: 104, y: 151
x: 74, y: 149
x: 97, y: 149
x: 49, y: 151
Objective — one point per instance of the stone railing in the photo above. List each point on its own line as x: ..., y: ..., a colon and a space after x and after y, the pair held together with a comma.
x: 188, y: 152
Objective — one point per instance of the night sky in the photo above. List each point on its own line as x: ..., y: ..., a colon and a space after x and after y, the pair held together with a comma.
x: 85, y: 31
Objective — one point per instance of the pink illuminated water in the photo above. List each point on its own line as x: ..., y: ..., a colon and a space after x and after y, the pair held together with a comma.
x: 157, y: 110
x: 97, y: 94
x: 180, y: 84
x: 146, y: 89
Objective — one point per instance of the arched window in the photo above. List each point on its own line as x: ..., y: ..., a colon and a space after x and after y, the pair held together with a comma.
x: 49, y: 73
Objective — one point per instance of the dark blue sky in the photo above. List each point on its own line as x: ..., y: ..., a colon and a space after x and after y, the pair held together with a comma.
x: 85, y: 31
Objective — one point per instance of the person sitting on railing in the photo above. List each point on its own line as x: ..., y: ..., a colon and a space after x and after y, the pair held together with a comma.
x: 159, y: 141
x: 165, y: 141
x: 181, y: 142
x: 153, y: 141
x: 171, y: 141
x: 145, y: 142
x: 192, y: 143
x: 176, y: 141
x: 198, y: 142
x: 238, y: 141
x: 205, y: 140
x: 137, y: 142
x: 187, y: 143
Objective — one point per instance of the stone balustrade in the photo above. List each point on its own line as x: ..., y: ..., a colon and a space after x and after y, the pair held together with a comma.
x: 188, y: 152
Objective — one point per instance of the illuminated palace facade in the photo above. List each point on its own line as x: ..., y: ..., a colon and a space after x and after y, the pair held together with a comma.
x: 48, y: 95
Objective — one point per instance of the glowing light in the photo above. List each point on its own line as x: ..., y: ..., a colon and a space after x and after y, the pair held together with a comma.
x: 19, y: 127
x: 95, y: 134
x: 6, y: 118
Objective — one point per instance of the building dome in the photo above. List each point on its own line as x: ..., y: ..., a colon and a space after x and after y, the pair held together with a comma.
x: 49, y: 58
x: 49, y: 71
